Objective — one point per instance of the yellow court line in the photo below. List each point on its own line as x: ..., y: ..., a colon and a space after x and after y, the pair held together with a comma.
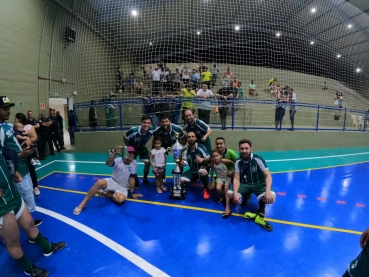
x: 45, y: 175
x: 220, y: 212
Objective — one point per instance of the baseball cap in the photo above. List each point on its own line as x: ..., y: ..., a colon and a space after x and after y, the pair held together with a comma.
x: 131, y: 149
x: 5, y: 102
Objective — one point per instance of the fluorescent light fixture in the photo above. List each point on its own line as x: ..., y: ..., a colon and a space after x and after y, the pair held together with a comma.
x: 150, y: 43
x: 198, y: 32
x: 349, y: 26
x: 278, y: 34
x: 134, y: 12
x: 237, y: 27
x: 338, y: 55
x: 358, y: 70
x: 313, y: 10
x: 312, y: 42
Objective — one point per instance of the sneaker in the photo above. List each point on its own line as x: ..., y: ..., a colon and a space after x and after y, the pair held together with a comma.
x: 146, y: 182
x: 37, y: 162
x: 261, y: 211
x: 55, y: 247
x: 33, y: 162
x: 36, y: 191
x: 246, y: 201
x: 260, y: 221
x: 37, y: 222
x: 37, y: 272
x: 32, y: 241
x: 206, y: 194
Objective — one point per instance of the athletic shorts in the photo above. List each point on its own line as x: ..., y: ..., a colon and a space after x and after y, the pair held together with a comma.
x: 159, y: 171
x: 189, y: 176
x: 246, y: 190
x: 143, y: 153
x: 114, y: 186
x: 360, y: 266
x: 18, y: 209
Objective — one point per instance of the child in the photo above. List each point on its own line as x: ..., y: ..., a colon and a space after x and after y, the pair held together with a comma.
x: 20, y: 133
x: 158, y: 168
x: 222, y: 179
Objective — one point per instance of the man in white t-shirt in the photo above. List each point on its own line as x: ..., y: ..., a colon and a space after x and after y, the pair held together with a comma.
x: 156, y: 77
x: 204, y: 106
x: 116, y: 187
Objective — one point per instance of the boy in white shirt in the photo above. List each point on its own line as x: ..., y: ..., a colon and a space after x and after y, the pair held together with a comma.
x: 204, y: 106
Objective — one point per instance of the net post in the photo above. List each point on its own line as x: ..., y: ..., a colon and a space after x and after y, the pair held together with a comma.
x: 344, y: 120
x: 232, y: 114
x: 120, y: 117
x: 317, y: 119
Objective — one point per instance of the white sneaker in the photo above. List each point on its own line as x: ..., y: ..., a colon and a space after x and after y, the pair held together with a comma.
x: 33, y: 162
x: 37, y: 161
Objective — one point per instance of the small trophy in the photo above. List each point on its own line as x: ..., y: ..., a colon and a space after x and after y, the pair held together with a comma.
x: 176, y: 151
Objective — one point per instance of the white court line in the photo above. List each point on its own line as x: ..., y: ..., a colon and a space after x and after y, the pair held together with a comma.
x: 45, y: 165
x: 124, y: 252
x: 321, y: 157
x: 269, y: 161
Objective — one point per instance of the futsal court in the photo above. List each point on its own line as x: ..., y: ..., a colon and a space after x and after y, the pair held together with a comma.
x: 320, y: 212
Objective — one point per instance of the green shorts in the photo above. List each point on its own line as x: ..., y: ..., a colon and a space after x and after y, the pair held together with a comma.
x: 246, y: 190
x: 143, y: 153
x: 16, y: 207
x: 360, y: 266
x: 190, y: 176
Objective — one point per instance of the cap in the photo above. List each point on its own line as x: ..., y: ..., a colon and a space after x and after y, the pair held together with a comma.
x: 5, y: 102
x: 131, y: 149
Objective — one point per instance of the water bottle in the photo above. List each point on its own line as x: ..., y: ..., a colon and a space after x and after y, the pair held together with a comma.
x: 125, y: 152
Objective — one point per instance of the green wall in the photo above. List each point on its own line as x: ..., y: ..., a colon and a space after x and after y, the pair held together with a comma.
x: 262, y: 140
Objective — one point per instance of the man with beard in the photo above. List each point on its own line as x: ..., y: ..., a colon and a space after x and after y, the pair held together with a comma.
x: 251, y: 176
x: 137, y: 137
x: 201, y: 130
x: 167, y: 131
x: 194, y: 155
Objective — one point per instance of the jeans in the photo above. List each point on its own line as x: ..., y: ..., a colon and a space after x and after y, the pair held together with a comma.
x: 71, y: 135
x: 25, y: 189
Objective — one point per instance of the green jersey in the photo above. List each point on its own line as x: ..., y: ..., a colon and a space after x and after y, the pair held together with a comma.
x: 251, y: 172
x: 109, y: 111
x: 229, y: 154
x: 10, y: 193
x: 169, y: 137
x: 190, y: 157
x: 200, y: 129
x: 9, y: 140
x: 137, y: 139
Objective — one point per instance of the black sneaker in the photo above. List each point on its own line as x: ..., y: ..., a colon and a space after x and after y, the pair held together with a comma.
x: 146, y: 182
x: 55, y: 247
x: 32, y: 241
x: 246, y: 201
x: 37, y: 222
x: 37, y: 272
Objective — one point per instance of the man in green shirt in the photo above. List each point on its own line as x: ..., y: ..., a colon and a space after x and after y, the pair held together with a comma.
x: 109, y: 116
x: 14, y: 214
x: 137, y: 137
x: 251, y: 176
x: 201, y: 130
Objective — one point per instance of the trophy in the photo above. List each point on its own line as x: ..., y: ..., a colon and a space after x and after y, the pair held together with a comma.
x: 177, y: 191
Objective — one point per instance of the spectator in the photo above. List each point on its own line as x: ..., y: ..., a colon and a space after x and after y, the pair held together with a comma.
x: 187, y: 93
x: 139, y: 86
x: 165, y: 79
x: 61, y: 132
x: 55, y: 129
x: 131, y: 81
x: 204, y: 106
x: 185, y: 75
x: 201, y: 68
x: 292, y: 100
x: 324, y: 86
x: 214, y: 74
x: 223, y: 95
x: 36, y: 125
x: 252, y: 88
x: 156, y: 84
x: 176, y: 80
x: 227, y: 76
x: 71, y: 126
x: 272, y: 81
x: 282, y: 98
x: 206, y: 77
x: 110, y: 116
x: 92, y: 117
x: 240, y: 94
x: 149, y: 109
x: 45, y: 131
x: 195, y: 77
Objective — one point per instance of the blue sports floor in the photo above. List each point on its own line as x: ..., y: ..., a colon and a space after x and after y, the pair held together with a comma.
x: 320, y: 212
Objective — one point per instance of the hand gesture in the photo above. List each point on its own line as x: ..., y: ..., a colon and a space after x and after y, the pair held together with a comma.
x: 198, y: 159
x: 136, y: 195
x: 268, y: 197
x: 118, y: 150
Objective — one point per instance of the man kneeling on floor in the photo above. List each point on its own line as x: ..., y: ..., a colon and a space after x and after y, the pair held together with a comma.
x: 122, y: 179
x: 251, y: 176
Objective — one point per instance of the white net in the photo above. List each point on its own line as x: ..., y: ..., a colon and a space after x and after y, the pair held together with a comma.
x: 317, y: 48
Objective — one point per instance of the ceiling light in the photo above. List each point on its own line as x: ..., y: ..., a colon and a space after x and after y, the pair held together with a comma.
x: 150, y: 43
x: 278, y: 34
x: 339, y: 56
x: 237, y: 27
x: 134, y: 12
x: 313, y: 10
x: 312, y: 42
x: 349, y: 26
x: 358, y: 70
x: 198, y: 33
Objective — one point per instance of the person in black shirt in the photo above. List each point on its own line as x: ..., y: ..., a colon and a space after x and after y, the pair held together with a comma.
x: 223, y: 94
x: 71, y: 126
x: 61, y: 130
x: 55, y: 131
x: 45, y: 132
x: 92, y: 117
